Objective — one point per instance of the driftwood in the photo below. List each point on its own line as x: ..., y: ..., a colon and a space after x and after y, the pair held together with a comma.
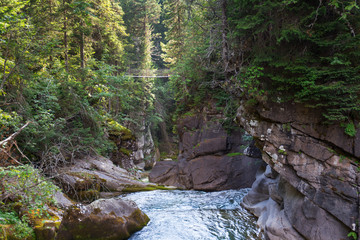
x: 7, y: 144
x: 3, y: 143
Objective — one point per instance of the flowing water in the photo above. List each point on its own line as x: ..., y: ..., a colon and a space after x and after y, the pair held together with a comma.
x: 194, y: 215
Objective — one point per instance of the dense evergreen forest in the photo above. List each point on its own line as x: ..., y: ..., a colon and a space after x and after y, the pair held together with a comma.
x: 65, y: 66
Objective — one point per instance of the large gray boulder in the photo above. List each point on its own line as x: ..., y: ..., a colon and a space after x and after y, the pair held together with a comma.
x: 95, y: 177
x: 107, y: 219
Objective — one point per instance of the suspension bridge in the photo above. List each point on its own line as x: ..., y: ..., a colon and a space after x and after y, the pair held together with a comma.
x: 148, y: 73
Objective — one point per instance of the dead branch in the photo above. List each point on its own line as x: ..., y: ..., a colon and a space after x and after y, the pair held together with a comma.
x: 12, y: 136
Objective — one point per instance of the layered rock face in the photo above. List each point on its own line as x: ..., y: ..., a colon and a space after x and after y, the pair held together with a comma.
x: 210, y: 158
x: 311, y: 187
x: 132, y: 150
x: 95, y: 177
x: 144, y: 156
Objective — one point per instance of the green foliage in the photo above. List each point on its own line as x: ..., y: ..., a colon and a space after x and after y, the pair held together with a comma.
x: 234, y: 154
x: 307, y: 53
x: 250, y: 82
x: 350, y: 129
x: 229, y: 109
x: 20, y: 229
x: 23, y: 187
x: 247, y: 137
x: 280, y: 51
x: 282, y: 151
x: 8, y: 122
x: 353, y: 235
x: 140, y: 18
x: 286, y: 127
x: 27, y: 186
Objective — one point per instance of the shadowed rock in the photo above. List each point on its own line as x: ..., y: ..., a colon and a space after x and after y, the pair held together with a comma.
x: 210, y: 158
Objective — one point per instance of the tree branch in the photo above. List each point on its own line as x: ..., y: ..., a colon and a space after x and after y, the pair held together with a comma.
x: 12, y: 136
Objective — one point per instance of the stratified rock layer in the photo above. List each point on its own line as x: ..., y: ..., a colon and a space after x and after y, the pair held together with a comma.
x: 210, y: 158
x: 95, y: 177
x: 318, y: 187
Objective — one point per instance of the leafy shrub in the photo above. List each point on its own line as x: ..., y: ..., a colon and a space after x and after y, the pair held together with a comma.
x: 350, y: 129
x: 20, y: 228
x: 25, y: 186
x: 8, y: 122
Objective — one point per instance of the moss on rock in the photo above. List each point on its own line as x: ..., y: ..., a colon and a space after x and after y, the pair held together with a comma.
x: 125, y: 151
x: 89, y: 195
x: 117, y: 129
x: 133, y: 188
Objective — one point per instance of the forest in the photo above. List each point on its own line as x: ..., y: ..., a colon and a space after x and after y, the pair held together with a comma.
x: 66, y: 70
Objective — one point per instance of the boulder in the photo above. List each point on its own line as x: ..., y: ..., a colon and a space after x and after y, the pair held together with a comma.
x: 103, y: 219
x: 165, y: 172
x: 93, y: 177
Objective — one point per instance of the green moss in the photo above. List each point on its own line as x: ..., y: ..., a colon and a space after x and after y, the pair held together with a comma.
x: 125, y: 151
x: 234, y: 154
x: 283, y: 152
x: 132, y: 188
x: 89, y: 195
x: 117, y: 129
x: 138, y: 221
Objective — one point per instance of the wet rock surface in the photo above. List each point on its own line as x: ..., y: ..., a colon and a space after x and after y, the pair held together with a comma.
x: 317, y: 165
x: 210, y: 158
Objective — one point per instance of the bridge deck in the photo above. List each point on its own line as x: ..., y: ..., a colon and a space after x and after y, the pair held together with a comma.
x: 148, y: 73
x: 147, y: 76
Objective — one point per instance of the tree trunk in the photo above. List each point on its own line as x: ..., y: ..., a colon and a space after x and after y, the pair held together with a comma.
x: 224, y: 30
x: 82, y: 55
x: 66, y: 57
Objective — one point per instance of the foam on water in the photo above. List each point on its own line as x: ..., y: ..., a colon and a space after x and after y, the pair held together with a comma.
x: 194, y: 215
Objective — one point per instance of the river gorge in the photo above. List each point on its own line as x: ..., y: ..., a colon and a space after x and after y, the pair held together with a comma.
x: 196, y: 215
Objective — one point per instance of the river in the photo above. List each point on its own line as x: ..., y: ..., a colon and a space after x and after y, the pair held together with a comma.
x: 194, y: 215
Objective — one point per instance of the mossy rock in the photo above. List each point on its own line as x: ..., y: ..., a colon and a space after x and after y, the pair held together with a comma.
x: 125, y: 151
x: 11, y: 232
x: 47, y: 229
x: 132, y: 188
x: 88, y: 181
x: 117, y: 129
x: 89, y: 195
x: 107, y: 219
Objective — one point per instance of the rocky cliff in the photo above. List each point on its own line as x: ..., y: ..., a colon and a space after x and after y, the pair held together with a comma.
x: 210, y: 158
x: 310, y: 189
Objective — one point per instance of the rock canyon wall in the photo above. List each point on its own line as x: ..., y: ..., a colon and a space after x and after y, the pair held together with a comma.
x: 310, y: 188
x: 210, y: 157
